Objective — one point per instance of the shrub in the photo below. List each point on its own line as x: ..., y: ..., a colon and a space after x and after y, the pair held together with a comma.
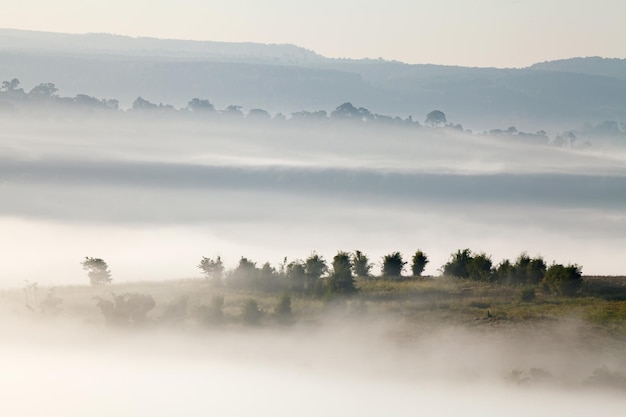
x: 526, y: 294
x: 479, y: 267
x: 393, y: 265
x: 315, y: 266
x: 341, y: 280
x: 360, y: 264
x: 282, y: 311
x: 296, y: 276
x: 213, y: 313
x: 126, y: 309
x: 250, y: 312
x: 419, y: 262
x: 563, y: 280
x: 458, y: 264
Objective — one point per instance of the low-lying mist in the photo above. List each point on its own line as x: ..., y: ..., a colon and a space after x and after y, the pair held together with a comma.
x: 341, y: 366
x: 152, y: 196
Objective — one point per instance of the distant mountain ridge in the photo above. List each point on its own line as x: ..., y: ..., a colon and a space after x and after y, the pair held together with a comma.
x: 109, y: 44
x: 287, y: 78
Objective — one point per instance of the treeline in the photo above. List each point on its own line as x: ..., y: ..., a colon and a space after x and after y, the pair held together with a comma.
x: 13, y: 96
x: 314, y: 276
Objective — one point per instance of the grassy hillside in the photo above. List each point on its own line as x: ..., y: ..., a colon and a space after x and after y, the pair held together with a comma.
x: 423, y: 301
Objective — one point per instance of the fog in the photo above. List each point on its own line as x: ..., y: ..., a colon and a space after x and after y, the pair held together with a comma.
x: 339, y: 368
x: 153, y: 196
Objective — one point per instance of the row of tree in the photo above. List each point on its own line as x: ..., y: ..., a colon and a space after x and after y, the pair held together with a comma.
x: 47, y: 93
x: 525, y: 271
x: 313, y: 276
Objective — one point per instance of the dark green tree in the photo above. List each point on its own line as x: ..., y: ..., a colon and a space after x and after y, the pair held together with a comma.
x: 341, y: 281
x: 315, y: 267
x: 97, y: 270
x: 296, y: 276
x: 360, y: 264
x: 458, y: 264
x: 393, y: 265
x: 419, y: 262
x: 563, y: 280
x: 479, y: 267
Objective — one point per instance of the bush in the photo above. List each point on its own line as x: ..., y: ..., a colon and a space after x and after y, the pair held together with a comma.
x: 341, y: 280
x: 479, y: 267
x: 526, y: 294
x: 419, y: 263
x: 282, y: 311
x: 213, y: 313
x: 563, y: 280
x: 458, y: 264
x: 360, y: 264
x: 250, y: 312
x: 393, y: 265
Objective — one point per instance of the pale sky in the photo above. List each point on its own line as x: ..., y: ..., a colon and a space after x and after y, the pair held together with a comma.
x: 501, y: 33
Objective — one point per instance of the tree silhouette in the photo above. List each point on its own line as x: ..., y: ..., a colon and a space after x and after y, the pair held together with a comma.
x: 213, y: 269
x: 197, y: 105
x: 360, y: 264
x: 393, y: 265
x: 419, y: 262
x: 436, y: 118
x: 341, y: 281
x: 97, y: 270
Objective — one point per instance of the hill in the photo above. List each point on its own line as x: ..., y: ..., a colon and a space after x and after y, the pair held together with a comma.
x: 286, y: 78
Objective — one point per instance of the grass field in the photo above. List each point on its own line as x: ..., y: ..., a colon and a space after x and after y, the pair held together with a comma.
x: 421, y: 301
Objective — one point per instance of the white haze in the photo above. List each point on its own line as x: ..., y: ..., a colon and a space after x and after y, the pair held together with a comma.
x: 343, y: 369
x: 153, y: 196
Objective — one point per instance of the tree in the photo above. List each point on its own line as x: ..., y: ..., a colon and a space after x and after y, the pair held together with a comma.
x: 393, y: 265
x: 97, y: 270
x: 458, y: 264
x: 348, y: 111
x: 233, y: 111
x: 11, y: 86
x: 142, y: 104
x: 296, y: 276
x: 315, y: 266
x: 341, y: 280
x: 563, y: 280
x: 360, y: 264
x: 419, y: 262
x: 479, y: 267
x: 197, y: 105
x: 213, y: 269
x: 245, y: 275
x: 258, y: 114
x: 436, y: 118
x: 44, y: 90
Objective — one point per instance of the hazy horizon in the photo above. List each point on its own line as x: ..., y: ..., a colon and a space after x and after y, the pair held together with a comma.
x: 152, y: 197
x: 510, y: 34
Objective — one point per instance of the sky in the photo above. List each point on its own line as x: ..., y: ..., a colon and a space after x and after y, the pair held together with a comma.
x: 483, y: 33
x: 153, y: 198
